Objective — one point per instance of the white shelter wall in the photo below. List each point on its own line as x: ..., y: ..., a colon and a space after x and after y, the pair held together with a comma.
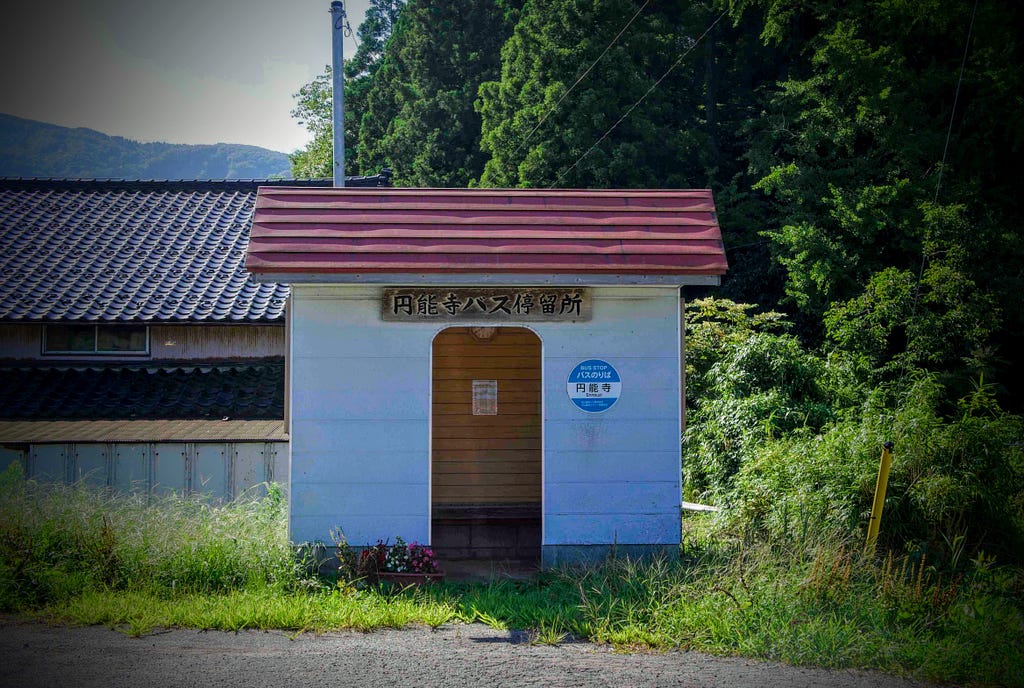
x: 360, y: 420
x: 614, y: 476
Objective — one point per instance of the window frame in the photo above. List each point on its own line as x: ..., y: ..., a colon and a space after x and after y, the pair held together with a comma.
x: 96, y: 351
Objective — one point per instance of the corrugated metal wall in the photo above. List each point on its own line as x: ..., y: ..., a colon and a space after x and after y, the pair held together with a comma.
x: 219, y: 470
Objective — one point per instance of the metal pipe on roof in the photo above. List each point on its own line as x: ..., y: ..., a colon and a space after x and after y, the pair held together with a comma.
x: 338, y: 89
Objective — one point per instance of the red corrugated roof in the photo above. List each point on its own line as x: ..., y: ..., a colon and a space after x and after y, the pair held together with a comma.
x: 386, y: 230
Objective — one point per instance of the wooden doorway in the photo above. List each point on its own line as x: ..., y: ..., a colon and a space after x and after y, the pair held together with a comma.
x: 486, y: 444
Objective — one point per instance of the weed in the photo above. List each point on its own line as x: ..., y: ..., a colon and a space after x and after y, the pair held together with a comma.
x: 549, y: 633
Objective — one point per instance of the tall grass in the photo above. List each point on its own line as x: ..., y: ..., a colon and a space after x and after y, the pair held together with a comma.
x: 57, y: 541
x: 136, y: 563
x: 296, y: 610
x: 818, y: 602
x: 826, y: 605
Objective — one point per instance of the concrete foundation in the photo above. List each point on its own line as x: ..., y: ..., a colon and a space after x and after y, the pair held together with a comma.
x: 588, y: 555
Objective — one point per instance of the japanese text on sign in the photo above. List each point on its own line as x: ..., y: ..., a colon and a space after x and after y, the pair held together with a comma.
x: 415, y: 304
x: 594, y: 386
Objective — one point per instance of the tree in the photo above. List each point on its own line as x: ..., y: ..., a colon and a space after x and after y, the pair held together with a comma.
x: 314, y: 111
x: 544, y: 119
x: 420, y: 119
x: 535, y: 138
x: 851, y: 150
x: 314, y: 107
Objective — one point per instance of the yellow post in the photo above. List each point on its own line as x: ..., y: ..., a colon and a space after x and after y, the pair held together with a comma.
x: 876, y: 509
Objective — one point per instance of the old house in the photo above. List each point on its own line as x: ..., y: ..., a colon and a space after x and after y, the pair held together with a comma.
x: 135, y: 349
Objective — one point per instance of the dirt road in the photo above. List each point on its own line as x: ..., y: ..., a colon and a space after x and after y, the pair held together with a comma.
x: 37, y: 655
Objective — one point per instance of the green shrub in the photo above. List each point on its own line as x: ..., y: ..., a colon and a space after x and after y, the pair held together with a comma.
x: 761, y: 388
x: 789, y: 441
x: 713, y: 327
x: 955, y: 482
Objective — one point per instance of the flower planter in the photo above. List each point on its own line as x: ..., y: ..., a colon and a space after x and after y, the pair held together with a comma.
x: 409, y: 580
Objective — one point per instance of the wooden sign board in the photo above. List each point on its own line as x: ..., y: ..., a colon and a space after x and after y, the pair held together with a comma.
x: 512, y: 304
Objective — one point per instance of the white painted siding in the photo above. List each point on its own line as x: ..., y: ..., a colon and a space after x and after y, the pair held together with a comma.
x: 614, y: 476
x: 360, y: 419
x: 360, y: 424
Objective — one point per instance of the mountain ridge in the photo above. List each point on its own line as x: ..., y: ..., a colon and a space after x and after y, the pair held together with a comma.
x: 30, y: 148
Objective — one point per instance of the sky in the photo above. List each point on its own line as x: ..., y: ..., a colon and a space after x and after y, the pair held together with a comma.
x: 180, y: 71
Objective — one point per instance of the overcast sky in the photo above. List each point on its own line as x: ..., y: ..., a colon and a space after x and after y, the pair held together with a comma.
x: 181, y: 71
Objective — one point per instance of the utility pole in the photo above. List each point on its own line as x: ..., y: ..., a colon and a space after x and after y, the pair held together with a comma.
x: 338, y: 84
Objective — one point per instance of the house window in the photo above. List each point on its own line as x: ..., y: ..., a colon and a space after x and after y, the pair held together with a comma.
x: 96, y: 339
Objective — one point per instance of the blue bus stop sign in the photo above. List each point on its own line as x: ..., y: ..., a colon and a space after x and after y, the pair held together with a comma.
x: 594, y: 386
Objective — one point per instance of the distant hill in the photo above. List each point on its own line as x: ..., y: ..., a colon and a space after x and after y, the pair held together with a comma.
x: 36, y: 149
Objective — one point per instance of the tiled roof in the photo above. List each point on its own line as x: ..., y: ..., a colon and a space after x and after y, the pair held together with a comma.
x: 118, y: 250
x: 568, y: 232
x: 115, y: 392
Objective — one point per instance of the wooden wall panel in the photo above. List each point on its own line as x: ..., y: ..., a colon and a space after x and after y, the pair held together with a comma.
x: 170, y: 342
x: 486, y: 459
x: 216, y: 341
x: 21, y: 341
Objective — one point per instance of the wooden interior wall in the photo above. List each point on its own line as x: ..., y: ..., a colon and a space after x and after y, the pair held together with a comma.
x: 486, y: 459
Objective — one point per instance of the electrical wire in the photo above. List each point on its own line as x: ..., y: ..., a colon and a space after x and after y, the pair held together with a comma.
x: 346, y: 27
x: 580, y: 78
x: 644, y: 96
x: 956, y: 97
x: 942, y: 165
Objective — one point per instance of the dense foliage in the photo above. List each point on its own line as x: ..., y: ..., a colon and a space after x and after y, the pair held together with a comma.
x: 314, y: 107
x: 36, y: 149
x: 410, y: 107
x: 789, y: 440
x: 902, y: 242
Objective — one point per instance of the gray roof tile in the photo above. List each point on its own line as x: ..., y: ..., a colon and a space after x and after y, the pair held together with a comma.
x: 117, y: 250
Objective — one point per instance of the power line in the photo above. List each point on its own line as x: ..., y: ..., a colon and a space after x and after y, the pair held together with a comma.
x: 956, y: 97
x: 942, y: 165
x: 348, y: 27
x: 578, y: 80
x: 637, y: 103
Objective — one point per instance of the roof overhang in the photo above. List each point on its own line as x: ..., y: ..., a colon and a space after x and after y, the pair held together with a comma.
x: 486, y: 236
x: 489, y: 279
x: 56, y: 431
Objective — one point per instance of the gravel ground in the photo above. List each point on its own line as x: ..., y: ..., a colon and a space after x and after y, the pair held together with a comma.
x: 33, y: 654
